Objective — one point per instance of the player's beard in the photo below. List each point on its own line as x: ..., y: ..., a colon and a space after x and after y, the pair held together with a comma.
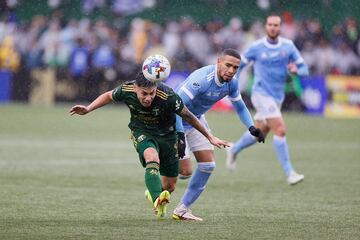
x: 273, y: 37
x: 222, y: 80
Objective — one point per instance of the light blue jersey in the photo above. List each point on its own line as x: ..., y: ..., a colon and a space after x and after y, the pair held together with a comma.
x: 270, y: 65
x: 202, y: 89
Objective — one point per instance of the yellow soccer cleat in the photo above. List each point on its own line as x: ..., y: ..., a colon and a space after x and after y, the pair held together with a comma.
x: 160, y: 204
x: 148, y: 196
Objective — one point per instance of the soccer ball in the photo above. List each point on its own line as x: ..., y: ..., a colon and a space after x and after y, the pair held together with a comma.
x: 156, y: 68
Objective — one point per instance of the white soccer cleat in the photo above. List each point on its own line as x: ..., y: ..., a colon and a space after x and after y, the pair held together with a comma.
x: 294, y: 178
x: 181, y: 212
x: 230, y: 158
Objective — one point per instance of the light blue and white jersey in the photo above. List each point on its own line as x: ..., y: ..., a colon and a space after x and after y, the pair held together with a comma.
x: 202, y: 89
x: 270, y: 65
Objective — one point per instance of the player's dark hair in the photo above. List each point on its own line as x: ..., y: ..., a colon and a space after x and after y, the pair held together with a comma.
x: 231, y: 52
x: 141, y: 81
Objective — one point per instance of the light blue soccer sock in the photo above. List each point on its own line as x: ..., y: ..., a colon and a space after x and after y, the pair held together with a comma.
x: 245, y: 141
x: 198, y: 182
x: 282, y: 152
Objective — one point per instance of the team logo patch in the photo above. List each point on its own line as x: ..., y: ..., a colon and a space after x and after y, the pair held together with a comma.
x: 177, y: 105
x: 195, y: 85
x: 156, y: 111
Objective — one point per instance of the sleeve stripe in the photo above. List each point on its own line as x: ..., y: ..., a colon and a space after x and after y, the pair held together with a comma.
x: 238, y: 98
x: 244, y: 59
x: 187, y: 92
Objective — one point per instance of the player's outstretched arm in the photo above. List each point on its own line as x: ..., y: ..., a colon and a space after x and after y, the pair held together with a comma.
x: 193, y: 121
x: 100, y: 101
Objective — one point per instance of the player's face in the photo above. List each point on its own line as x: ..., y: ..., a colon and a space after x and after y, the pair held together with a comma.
x: 272, y: 27
x: 227, y: 67
x: 145, y: 95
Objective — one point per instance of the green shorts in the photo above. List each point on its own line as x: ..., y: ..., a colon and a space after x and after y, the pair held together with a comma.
x: 166, y: 146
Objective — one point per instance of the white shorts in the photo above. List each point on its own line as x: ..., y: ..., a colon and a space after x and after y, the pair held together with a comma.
x: 195, y: 141
x: 265, y: 107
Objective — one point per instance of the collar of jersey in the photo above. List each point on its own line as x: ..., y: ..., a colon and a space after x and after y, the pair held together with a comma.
x: 273, y: 46
x: 217, y: 81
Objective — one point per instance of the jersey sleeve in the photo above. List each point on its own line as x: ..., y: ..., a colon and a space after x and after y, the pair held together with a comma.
x: 234, y: 91
x: 295, y: 55
x: 249, y: 55
x: 117, y: 94
x: 177, y: 103
x: 194, y: 86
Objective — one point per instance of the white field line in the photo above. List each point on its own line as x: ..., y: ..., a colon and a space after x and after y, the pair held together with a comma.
x: 38, y: 143
x: 70, y: 162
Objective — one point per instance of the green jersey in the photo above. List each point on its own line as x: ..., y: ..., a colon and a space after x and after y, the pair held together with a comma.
x: 158, y: 119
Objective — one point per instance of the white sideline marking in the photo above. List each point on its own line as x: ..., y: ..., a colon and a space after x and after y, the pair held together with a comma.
x: 70, y: 162
x: 64, y: 143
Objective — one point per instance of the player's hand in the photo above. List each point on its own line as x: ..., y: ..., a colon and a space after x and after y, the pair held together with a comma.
x: 79, y: 109
x: 181, y: 144
x: 292, y: 68
x: 218, y: 142
x: 256, y: 132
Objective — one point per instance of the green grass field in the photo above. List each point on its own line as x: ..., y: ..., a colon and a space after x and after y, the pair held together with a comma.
x: 64, y: 177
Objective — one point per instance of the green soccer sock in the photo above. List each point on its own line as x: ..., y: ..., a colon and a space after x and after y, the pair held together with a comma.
x: 152, y: 179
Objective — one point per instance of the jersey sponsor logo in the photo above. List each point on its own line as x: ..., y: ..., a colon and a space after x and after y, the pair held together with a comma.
x: 274, y: 54
x: 215, y: 94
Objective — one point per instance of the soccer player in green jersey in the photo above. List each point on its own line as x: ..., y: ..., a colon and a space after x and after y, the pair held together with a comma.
x: 153, y: 108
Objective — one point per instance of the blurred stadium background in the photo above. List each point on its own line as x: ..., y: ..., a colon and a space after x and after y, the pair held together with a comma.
x: 62, y: 50
x: 65, y: 177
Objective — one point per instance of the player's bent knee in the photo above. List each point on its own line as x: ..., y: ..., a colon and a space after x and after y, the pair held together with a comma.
x: 185, y: 172
x: 280, y: 131
x: 208, y: 167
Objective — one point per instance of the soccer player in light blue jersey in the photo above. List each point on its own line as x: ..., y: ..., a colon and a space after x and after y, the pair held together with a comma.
x: 274, y: 58
x: 199, y: 92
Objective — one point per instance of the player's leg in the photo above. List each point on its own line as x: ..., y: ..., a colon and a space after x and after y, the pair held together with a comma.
x: 152, y: 175
x: 169, y: 170
x: 204, y: 154
x: 148, y: 151
x: 206, y: 165
x: 262, y: 105
x: 277, y: 125
x: 185, y: 168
